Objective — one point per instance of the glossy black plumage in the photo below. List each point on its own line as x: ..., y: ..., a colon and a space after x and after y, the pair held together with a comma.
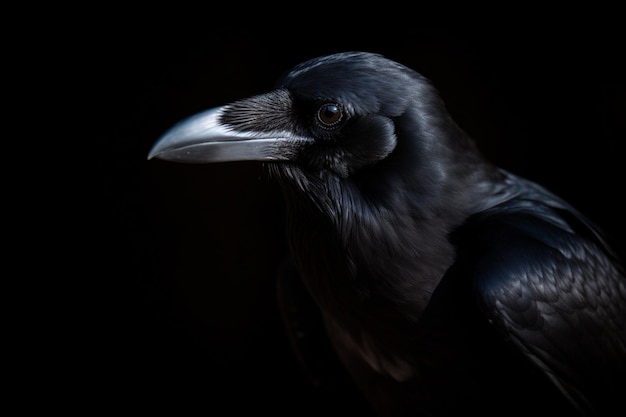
x: 446, y: 285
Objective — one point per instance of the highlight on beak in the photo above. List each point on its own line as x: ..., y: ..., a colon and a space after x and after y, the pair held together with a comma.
x: 202, y: 138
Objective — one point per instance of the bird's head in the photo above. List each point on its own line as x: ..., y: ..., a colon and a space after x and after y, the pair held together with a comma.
x: 351, y: 115
x: 335, y: 113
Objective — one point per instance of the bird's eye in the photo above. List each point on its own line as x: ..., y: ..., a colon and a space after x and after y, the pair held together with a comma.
x: 329, y: 115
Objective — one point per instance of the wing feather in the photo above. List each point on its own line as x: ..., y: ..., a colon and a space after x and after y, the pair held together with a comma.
x: 555, y: 295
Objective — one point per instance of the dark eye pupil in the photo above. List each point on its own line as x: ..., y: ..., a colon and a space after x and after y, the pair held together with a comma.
x: 329, y: 114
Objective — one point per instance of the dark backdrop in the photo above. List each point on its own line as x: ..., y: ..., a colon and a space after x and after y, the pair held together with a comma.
x: 177, y: 299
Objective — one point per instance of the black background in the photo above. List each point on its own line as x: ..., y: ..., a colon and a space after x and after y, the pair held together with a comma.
x: 174, y: 305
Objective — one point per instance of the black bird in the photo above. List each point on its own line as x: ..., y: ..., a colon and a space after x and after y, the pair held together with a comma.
x: 446, y: 284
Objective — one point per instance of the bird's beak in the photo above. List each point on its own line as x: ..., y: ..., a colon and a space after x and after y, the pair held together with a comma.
x: 204, y: 138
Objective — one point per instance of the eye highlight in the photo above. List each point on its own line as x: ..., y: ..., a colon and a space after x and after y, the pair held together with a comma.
x: 330, y: 115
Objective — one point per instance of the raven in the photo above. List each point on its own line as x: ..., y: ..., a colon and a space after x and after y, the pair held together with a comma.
x: 445, y: 283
